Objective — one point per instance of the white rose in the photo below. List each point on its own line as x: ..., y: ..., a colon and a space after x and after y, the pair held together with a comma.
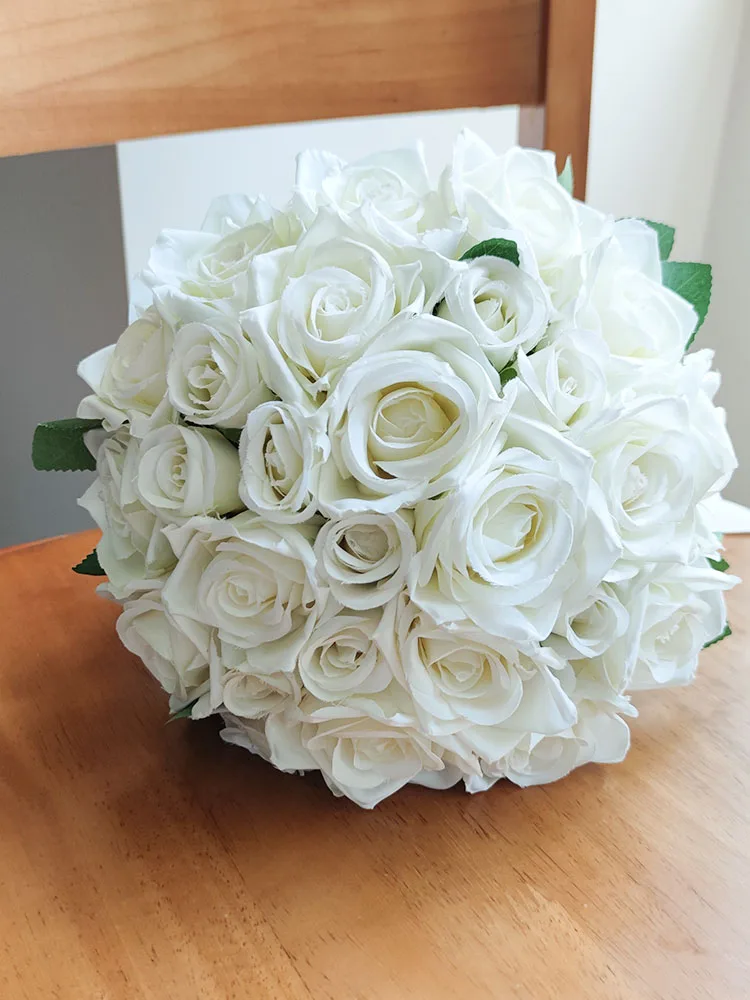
x: 504, y: 307
x: 625, y: 302
x: 213, y: 264
x: 364, y: 557
x: 249, y: 734
x: 343, y: 657
x: 514, y: 544
x: 333, y: 292
x: 394, y: 183
x: 129, y: 378
x: 254, y: 696
x: 695, y: 385
x: 363, y: 752
x: 602, y: 646
x: 519, y: 189
x: 251, y: 580
x: 407, y: 420
x: 522, y: 185
x: 684, y: 609
x: 248, y: 686
x: 533, y: 760
x: 707, y: 539
x: 213, y: 374
x: 567, y: 381
x: 474, y: 684
x: 186, y: 471
x: 654, y: 463
x: 589, y: 629
x: 133, y: 551
x: 281, y: 451
x: 147, y: 629
x: 599, y: 736
x: 319, y: 303
x: 603, y: 734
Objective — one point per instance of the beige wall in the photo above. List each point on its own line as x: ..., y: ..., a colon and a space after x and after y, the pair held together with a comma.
x: 662, y: 77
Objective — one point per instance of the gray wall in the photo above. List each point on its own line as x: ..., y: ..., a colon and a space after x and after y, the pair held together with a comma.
x: 62, y: 295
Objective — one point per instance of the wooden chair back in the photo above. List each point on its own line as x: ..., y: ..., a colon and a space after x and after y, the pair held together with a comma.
x: 87, y: 72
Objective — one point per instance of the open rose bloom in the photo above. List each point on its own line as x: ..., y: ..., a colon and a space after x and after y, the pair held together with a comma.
x: 406, y: 480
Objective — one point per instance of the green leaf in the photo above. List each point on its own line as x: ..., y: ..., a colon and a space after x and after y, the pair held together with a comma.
x: 507, y: 374
x: 182, y: 713
x: 565, y: 177
x: 90, y: 566
x: 58, y: 445
x: 665, y: 235
x: 693, y: 283
x: 507, y: 249
x: 721, y: 564
x: 232, y: 434
x: 722, y: 635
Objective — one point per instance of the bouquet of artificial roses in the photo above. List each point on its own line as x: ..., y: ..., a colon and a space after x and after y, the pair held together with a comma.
x: 406, y: 481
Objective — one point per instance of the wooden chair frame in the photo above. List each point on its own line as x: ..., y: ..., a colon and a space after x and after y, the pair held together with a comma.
x: 87, y: 72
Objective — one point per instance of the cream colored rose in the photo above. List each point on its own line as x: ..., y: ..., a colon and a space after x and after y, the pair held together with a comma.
x: 475, y: 685
x: 213, y: 375
x: 408, y: 419
x: 317, y: 305
x: 282, y: 448
x: 180, y: 665
x: 624, y: 301
x: 364, y: 557
x: 129, y: 378
x: 591, y: 628
x: 254, y: 696
x: 332, y: 294
x: 519, y: 190
x: 684, y: 609
x: 394, y: 183
x: 655, y: 461
x: 248, y: 686
x: 363, y: 752
x: 213, y: 264
x: 251, y: 580
x: 504, y: 307
x: 133, y: 550
x: 249, y: 734
x: 598, y: 736
x: 186, y: 471
x: 344, y: 656
x: 515, y: 544
x: 567, y: 382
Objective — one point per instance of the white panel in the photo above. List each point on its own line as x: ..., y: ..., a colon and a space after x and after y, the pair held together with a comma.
x: 662, y: 75
x: 727, y: 327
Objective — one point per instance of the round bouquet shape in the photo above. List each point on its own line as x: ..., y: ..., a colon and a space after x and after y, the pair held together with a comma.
x: 408, y: 479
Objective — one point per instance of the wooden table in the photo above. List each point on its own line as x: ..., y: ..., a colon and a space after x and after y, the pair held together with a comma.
x: 140, y: 860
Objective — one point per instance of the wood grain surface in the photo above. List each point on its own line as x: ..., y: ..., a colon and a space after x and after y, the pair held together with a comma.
x: 85, y: 72
x: 569, y: 55
x: 148, y: 861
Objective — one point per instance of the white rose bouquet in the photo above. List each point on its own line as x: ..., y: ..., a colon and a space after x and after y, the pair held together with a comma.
x: 407, y: 481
